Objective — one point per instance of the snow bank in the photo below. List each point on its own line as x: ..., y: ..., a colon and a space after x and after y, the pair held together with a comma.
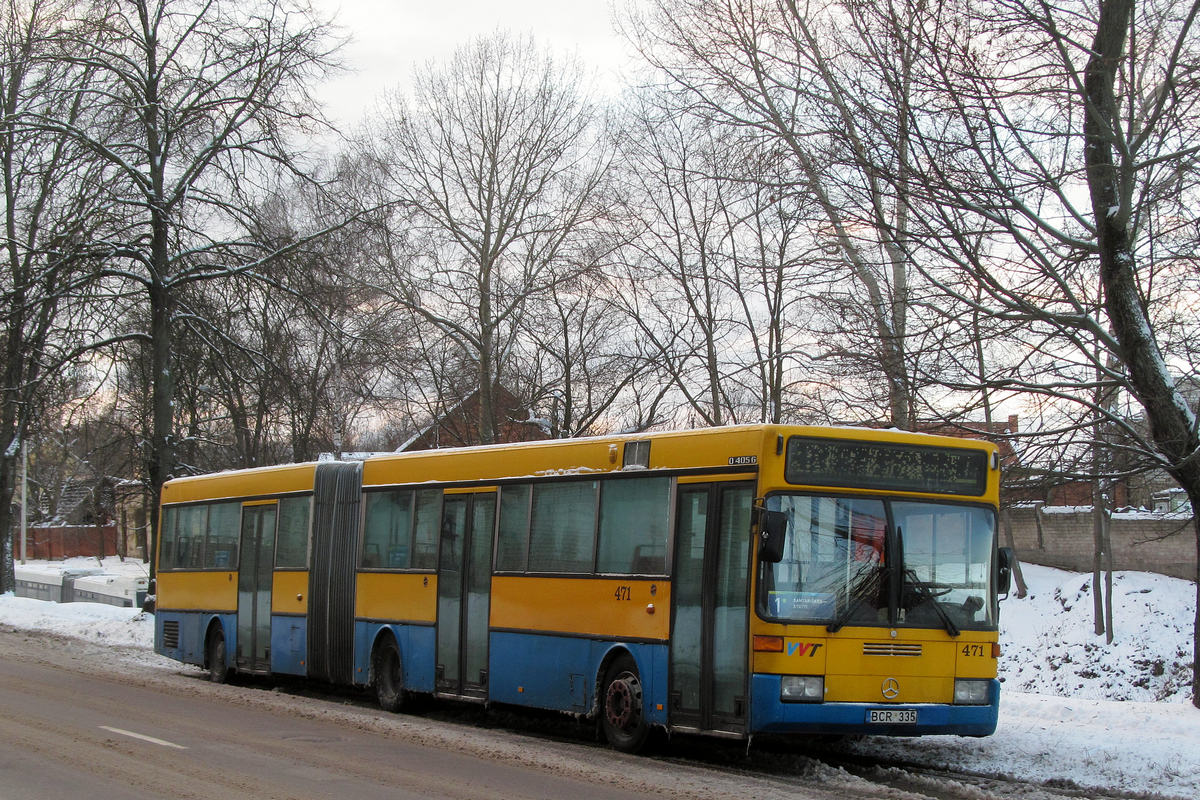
x: 1049, y: 646
x: 94, y: 622
x: 110, y: 565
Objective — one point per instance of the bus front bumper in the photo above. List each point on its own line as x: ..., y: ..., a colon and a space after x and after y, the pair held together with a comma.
x: 771, y: 715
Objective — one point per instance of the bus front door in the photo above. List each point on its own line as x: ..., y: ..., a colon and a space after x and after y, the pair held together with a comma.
x: 255, y: 571
x: 710, y: 594
x: 464, y: 581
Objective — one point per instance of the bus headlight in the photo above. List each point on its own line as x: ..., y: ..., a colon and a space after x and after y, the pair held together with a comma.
x: 802, y: 689
x: 972, y: 693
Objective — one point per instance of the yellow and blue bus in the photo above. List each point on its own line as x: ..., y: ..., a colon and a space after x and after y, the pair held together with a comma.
x: 729, y: 581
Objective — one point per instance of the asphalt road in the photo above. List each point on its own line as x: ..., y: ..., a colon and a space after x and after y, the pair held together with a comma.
x: 87, y: 720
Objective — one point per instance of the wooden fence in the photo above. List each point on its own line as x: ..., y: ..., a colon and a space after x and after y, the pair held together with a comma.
x: 67, y: 541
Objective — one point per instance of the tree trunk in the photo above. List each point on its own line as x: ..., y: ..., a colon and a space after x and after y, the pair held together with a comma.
x: 161, y: 460
x: 8, y: 572
x: 487, y: 349
x: 1097, y: 557
x: 1196, y: 620
x: 1106, y: 535
x: 1171, y: 421
x: 1018, y: 577
x: 487, y: 395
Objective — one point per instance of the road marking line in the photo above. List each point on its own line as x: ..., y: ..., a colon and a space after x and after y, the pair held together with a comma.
x: 143, y: 737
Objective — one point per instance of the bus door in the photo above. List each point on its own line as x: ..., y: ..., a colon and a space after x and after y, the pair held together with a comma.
x: 710, y: 593
x: 255, y: 571
x: 464, y: 583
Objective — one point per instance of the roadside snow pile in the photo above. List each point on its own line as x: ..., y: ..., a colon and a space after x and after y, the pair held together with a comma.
x: 1049, y: 647
x: 109, y: 565
x: 94, y: 622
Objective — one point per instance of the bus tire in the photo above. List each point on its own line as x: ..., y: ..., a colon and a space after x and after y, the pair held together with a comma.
x: 387, y: 673
x: 218, y: 667
x: 621, y: 717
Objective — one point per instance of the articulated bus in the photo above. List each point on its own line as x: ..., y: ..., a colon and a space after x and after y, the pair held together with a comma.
x: 731, y: 581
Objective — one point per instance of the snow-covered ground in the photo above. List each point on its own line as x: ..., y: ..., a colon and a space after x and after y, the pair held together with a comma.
x: 1075, y: 711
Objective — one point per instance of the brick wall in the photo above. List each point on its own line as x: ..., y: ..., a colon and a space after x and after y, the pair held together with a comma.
x: 1162, y: 543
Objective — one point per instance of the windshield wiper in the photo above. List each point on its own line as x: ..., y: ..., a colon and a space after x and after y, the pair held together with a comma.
x: 910, y: 576
x: 869, y: 585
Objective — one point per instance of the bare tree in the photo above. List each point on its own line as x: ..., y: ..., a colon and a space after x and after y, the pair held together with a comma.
x: 672, y: 289
x: 792, y: 76
x: 1112, y: 159
x: 51, y: 206
x: 773, y: 253
x: 496, y: 162
x: 712, y: 276
x: 189, y: 100
x: 579, y: 364
x: 1029, y: 109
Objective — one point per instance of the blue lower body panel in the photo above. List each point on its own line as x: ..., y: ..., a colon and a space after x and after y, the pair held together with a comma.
x: 561, y: 672
x: 418, y: 654
x: 289, y: 645
x: 770, y: 715
x: 192, y: 627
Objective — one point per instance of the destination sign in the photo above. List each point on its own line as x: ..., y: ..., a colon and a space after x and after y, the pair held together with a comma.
x: 885, y: 465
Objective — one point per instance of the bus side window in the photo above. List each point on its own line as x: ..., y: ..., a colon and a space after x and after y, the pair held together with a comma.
x: 224, y: 520
x: 193, y: 527
x: 387, y: 530
x: 562, y: 530
x: 169, y: 539
x: 634, y: 524
x: 512, y: 546
x: 291, y: 549
x: 426, y: 517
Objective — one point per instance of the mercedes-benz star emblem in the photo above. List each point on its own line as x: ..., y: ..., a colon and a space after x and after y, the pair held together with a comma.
x: 891, y: 688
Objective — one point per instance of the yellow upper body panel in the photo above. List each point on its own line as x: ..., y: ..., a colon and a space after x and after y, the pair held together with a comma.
x: 210, y: 590
x: 629, y: 608
x: 561, y: 458
x: 289, y: 592
x: 396, y: 597
x: 745, y: 447
x: 240, y: 483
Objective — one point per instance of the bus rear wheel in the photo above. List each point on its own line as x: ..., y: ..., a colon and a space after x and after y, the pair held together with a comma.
x: 621, y: 717
x: 388, y: 675
x: 218, y: 667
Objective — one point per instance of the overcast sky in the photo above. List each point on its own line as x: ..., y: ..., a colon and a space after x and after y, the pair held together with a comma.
x: 389, y: 36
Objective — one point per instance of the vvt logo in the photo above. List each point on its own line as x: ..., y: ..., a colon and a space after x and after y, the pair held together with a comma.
x: 803, y: 648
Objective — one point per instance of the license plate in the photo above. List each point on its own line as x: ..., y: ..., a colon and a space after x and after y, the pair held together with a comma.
x: 892, y: 716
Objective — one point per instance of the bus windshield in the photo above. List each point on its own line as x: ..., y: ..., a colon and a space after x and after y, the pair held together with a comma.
x: 868, y: 561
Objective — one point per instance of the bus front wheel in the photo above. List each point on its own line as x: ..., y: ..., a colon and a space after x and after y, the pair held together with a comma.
x: 389, y: 676
x: 218, y: 667
x: 621, y: 717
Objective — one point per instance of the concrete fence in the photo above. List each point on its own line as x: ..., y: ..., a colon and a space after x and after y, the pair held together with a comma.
x: 1062, y: 536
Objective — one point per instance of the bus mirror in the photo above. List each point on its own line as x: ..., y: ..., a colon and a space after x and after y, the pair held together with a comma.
x: 1004, y: 583
x: 772, y: 530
